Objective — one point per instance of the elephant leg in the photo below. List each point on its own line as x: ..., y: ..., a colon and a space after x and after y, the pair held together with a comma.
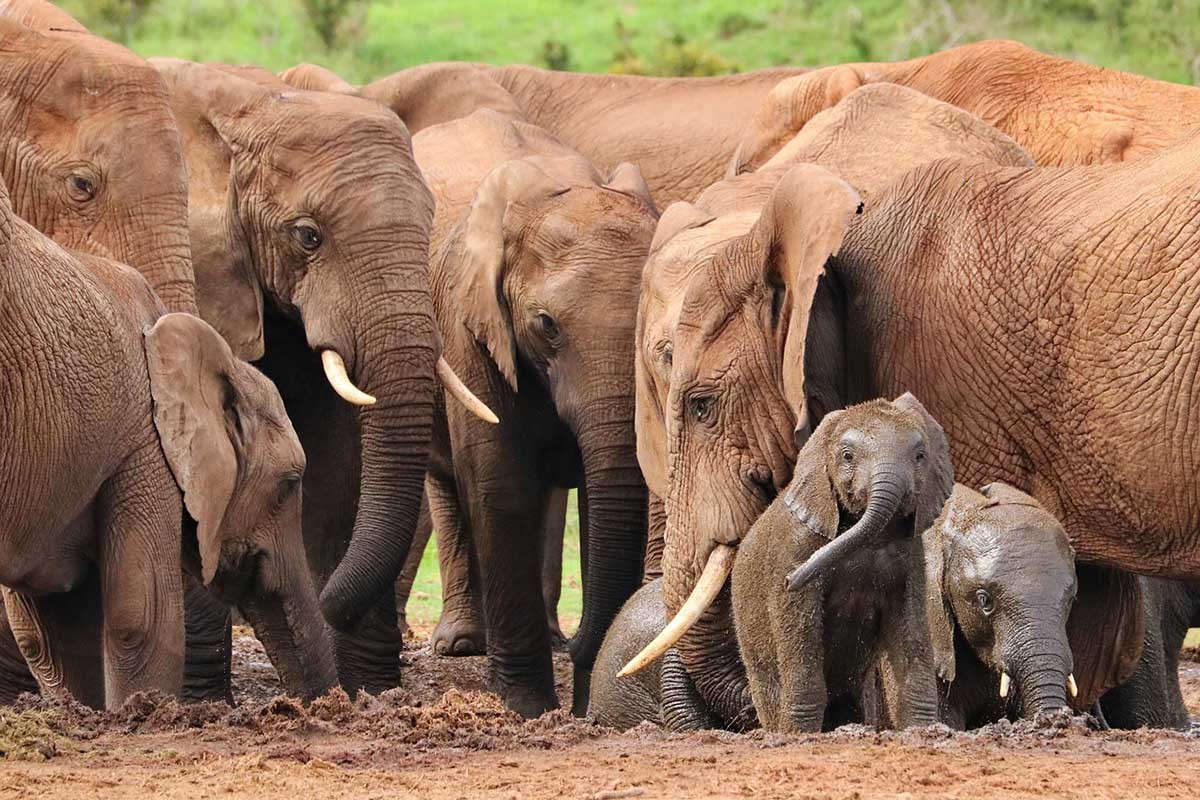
x: 368, y: 659
x: 581, y: 677
x: 909, y: 686
x: 412, y: 565
x: 656, y: 527
x: 506, y: 523
x: 59, y: 637
x: 682, y: 707
x: 207, y: 669
x: 140, y: 580
x: 460, y: 630
x: 15, y: 677
x: 552, y: 562
x: 797, y: 621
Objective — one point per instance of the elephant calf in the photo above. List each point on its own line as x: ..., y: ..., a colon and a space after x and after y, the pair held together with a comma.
x: 870, y: 479
x: 1001, y: 580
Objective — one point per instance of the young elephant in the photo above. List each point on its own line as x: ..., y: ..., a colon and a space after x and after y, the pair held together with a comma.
x: 1000, y: 576
x: 866, y: 484
x: 623, y: 702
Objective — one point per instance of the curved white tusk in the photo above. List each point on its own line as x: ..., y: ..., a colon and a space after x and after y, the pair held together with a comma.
x: 335, y: 373
x: 462, y: 394
x: 720, y: 564
x: 1004, y: 681
x: 1072, y: 687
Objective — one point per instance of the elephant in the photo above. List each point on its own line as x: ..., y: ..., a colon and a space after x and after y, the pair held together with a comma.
x: 1000, y: 577
x: 91, y: 152
x: 1063, y: 112
x: 1151, y: 698
x: 681, y: 132
x: 309, y: 224
x: 625, y: 702
x: 536, y: 261
x: 870, y: 480
x: 737, y: 272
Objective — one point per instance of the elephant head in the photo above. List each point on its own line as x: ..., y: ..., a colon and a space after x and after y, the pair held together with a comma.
x: 731, y: 363
x: 546, y: 266
x: 310, y: 205
x: 91, y: 152
x: 1001, y: 573
x: 234, y: 454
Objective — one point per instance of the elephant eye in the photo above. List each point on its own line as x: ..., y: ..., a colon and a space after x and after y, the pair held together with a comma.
x: 548, y: 325
x: 81, y: 188
x: 847, y: 456
x: 984, y: 601
x: 288, y: 486
x: 308, y: 236
x: 701, y: 407
x: 919, y: 456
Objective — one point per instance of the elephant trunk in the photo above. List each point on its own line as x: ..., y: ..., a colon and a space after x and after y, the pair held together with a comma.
x: 616, y: 528
x: 395, y: 365
x: 1042, y: 678
x: 709, y: 652
x: 888, y: 488
x: 295, y: 638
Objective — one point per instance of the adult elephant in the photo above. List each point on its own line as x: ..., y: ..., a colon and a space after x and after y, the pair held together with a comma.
x: 1061, y: 111
x: 309, y: 224
x: 90, y: 150
x: 680, y: 132
x: 537, y: 258
x: 966, y: 282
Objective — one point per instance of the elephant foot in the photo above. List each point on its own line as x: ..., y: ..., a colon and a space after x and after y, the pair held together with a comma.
x: 459, y: 633
x: 368, y: 659
x: 526, y: 688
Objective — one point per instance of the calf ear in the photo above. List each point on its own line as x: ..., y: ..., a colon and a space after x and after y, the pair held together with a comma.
x: 627, y: 179
x: 939, y: 480
x: 1105, y: 629
x: 810, y: 497
x: 196, y: 412
x: 678, y: 217
x: 938, y: 540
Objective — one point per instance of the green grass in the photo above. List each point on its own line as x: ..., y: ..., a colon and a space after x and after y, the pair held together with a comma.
x: 1193, y: 638
x: 1160, y: 38
x: 425, y: 602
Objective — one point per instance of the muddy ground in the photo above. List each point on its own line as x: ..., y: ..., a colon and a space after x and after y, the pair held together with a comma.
x: 441, y: 736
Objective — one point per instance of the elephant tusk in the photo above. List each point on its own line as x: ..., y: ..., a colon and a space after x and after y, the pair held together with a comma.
x: 1072, y: 687
x: 462, y: 394
x: 716, y: 570
x: 1004, y: 681
x: 335, y: 372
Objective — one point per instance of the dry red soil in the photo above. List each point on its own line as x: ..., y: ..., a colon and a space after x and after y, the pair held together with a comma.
x: 442, y: 737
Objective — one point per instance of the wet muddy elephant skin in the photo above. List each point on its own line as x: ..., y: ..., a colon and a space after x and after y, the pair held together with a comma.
x: 828, y: 587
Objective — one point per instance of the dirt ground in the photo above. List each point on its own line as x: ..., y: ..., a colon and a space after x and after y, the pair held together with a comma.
x: 440, y: 736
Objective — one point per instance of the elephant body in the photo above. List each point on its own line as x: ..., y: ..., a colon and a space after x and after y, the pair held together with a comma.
x: 1062, y: 111
x: 680, y: 132
x: 1151, y: 698
x: 536, y: 260
x: 1001, y: 587
x: 737, y: 272
x: 310, y: 231
x: 813, y: 646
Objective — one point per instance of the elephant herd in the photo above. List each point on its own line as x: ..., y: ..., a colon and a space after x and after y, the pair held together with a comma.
x: 874, y: 381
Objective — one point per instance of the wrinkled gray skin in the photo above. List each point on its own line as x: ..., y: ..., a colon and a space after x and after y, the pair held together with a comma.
x: 1001, y: 582
x: 870, y: 479
x: 622, y: 703
x: 1152, y: 698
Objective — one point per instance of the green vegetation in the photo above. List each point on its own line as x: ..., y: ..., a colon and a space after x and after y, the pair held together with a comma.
x: 369, y: 38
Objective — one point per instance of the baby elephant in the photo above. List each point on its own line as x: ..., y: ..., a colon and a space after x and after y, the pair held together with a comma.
x: 870, y: 479
x: 1001, y: 580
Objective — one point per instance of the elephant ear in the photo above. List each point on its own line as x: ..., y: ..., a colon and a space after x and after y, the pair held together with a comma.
x: 315, y: 78
x: 628, y: 179
x: 1106, y: 630
x: 213, y: 109
x: 197, y: 412
x: 678, y: 217
x: 938, y: 541
x: 787, y: 108
x: 435, y: 93
x: 999, y: 493
x: 810, y: 497
x: 801, y: 227
x: 939, y: 480
x: 481, y: 247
